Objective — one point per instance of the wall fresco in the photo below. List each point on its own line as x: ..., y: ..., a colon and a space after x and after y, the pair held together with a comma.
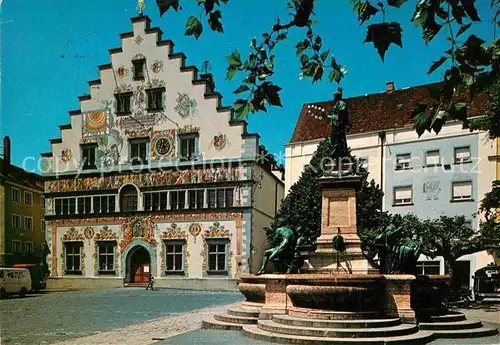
x: 73, y: 235
x: 174, y: 232
x: 105, y: 234
x: 109, y: 149
x: 66, y: 155
x: 164, y: 178
x: 96, y: 123
x: 219, y: 141
x: 163, y: 144
x: 122, y: 72
x: 138, y: 228
x: 194, y: 230
x: 157, y: 66
x: 185, y: 106
x: 432, y: 190
x: 188, y: 129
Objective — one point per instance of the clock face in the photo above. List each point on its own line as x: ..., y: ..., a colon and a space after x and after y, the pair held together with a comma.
x: 163, y: 146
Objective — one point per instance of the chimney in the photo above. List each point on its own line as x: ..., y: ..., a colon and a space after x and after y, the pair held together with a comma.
x: 390, y: 86
x: 6, y: 154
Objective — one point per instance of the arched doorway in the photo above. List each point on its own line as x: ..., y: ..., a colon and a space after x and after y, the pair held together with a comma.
x: 138, y: 265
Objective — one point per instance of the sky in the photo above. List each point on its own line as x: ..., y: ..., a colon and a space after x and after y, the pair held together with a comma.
x: 49, y: 49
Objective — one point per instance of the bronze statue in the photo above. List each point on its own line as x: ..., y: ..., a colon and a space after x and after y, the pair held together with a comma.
x: 340, y: 126
x: 289, y: 254
x: 396, y: 253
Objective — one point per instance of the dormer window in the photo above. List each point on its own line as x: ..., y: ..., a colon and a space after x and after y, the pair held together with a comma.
x: 139, y: 68
x: 123, y: 103
x: 155, y: 99
x: 88, y: 156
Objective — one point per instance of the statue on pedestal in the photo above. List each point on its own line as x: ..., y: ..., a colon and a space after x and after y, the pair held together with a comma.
x: 340, y: 126
x: 289, y: 254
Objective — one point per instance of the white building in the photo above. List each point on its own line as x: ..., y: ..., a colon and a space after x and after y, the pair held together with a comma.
x: 445, y: 174
x: 154, y: 176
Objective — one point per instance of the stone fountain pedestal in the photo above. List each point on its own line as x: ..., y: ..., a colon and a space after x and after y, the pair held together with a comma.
x: 339, y: 213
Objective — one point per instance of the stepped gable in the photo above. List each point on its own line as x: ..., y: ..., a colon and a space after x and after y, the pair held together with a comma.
x: 160, y: 42
x: 375, y: 112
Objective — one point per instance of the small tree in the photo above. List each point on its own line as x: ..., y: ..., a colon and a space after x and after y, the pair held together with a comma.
x: 302, y: 205
x: 451, y: 238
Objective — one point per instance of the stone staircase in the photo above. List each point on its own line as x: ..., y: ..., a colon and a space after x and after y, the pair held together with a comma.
x: 288, y: 329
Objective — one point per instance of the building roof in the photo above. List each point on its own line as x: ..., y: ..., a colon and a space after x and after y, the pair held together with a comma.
x: 21, y: 176
x: 372, y: 113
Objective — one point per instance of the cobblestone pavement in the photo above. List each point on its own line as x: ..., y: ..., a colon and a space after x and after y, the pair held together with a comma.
x: 57, y: 316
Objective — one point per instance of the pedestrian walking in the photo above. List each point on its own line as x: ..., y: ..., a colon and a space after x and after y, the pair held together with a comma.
x: 151, y: 283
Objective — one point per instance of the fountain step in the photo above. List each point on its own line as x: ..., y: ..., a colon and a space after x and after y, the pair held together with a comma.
x: 399, y: 330
x: 448, y: 317
x: 243, y: 312
x: 448, y: 326
x: 303, y: 322
x: 219, y: 325
x: 253, y: 331
x: 236, y: 319
x: 466, y: 333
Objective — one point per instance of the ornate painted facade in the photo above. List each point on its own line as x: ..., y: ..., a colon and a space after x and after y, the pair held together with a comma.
x: 192, y: 210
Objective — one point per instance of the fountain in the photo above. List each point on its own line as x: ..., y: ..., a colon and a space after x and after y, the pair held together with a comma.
x: 339, y: 301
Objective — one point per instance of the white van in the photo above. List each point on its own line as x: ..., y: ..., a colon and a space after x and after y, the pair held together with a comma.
x: 14, y: 281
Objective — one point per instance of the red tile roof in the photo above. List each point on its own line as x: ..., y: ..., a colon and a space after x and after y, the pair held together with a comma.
x: 371, y: 113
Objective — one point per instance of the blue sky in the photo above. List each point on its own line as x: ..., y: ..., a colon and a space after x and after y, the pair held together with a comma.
x: 51, y: 48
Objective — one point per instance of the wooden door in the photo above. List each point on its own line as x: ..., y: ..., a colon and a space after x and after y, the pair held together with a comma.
x: 142, y: 274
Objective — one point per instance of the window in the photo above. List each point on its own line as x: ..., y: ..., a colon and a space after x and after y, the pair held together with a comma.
x: 123, y: 103
x: 462, y: 190
x: 104, y: 203
x: 28, y: 198
x: 128, y: 199
x: 155, y: 201
x: 221, y: 198
x: 428, y: 267
x: 89, y: 156
x: 65, y: 206
x: 28, y: 247
x: 16, y: 195
x: 217, y: 256
x: 106, y: 256
x: 229, y: 197
x: 178, y: 199
x: 43, y: 225
x: 84, y: 205
x: 402, y: 195
x: 16, y: 221
x: 432, y: 158
x: 212, y: 201
x: 403, y: 162
x: 192, y: 199
x: 139, y: 68
x: 174, y: 256
x: 462, y: 155
x: 139, y: 151
x: 155, y: 99
x: 200, y: 198
x: 73, y: 257
x: 187, y: 146
x: 28, y: 223
x: 16, y: 246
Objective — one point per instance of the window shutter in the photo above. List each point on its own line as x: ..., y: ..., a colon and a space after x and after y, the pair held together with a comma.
x: 462, y: 153
x: 432, y: 157
x: 462, y: 189
x: 402, y: 193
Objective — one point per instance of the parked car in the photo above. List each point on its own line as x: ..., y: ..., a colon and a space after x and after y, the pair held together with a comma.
x: 14, y: 281
x: 487, y: 283
x: 37, y: 275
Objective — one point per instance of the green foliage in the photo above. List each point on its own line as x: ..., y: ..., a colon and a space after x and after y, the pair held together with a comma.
x: 491, y: 121
x: 193, y: 27
x: 302, y: 205
x: 383, y: 35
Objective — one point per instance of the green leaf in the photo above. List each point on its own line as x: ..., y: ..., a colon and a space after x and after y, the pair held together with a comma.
x: 420, y: 123
x: 241, y: 89
x: 318, y: 73
x: 231, y: 71
x: 463, y: 28
x: 302, y: 46
x: 193, y: 27
x: 335, y: 75
x: 396, y: 3
x: 460, y: 111
x: 470, y: 9
x: 468, y: 79
x: 234, y: 59
x: 164, y: 5
x: 242, y: 108
x: 271, y: 93
x: 473, y: 42
x: 435, y: 93
x: 383, y: 35
x: 438, y: 120
x: 209, y: 5
x: 281, y: 36
x: 325, y: 54
x: 365, y: 11
x: 214, y: 21
x: 436, y: 64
